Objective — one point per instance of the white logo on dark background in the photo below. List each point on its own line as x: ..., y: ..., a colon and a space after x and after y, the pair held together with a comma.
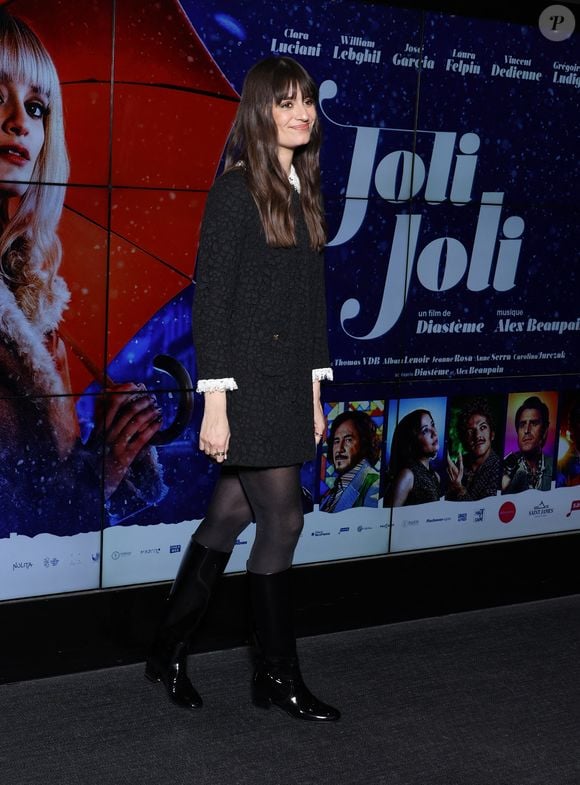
x: 556, y: 23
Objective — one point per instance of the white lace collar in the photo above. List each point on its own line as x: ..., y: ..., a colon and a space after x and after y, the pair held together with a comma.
x: 293, y: 178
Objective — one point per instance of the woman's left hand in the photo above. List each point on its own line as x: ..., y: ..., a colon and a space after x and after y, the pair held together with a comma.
x: 214, y: 434
x: 319, y: 423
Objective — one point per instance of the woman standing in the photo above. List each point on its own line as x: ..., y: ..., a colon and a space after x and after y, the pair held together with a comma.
x: 260, y: 338
x: 415, y: 445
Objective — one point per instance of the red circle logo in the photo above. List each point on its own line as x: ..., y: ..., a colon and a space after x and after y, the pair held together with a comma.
x: 507, y: 512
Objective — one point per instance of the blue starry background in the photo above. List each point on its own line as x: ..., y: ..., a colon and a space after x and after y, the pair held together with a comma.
x: 527, y: 137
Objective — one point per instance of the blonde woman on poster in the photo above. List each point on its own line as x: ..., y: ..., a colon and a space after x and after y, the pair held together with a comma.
x: 49, y: 480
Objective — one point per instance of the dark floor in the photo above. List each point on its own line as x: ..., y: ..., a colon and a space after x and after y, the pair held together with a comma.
x: 489, y: 697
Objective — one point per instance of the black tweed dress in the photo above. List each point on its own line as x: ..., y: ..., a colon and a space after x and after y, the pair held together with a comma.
x: 259, y: 317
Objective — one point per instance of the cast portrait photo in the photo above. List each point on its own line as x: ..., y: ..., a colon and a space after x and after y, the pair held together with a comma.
x: 531, y: 465
x: 568, y: 473
x: 353, y: 453
x: 415, y: 446
x: 475, y: 473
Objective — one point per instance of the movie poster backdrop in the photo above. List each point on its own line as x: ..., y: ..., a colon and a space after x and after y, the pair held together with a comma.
x: 450, y: 199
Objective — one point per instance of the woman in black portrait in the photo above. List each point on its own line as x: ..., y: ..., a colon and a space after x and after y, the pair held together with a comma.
x: 261, y: 345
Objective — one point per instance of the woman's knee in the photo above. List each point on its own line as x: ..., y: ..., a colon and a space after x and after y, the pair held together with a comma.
x: 294, y: 527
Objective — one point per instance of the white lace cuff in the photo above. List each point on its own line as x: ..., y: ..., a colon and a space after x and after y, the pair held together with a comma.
x: 215, y: 385
x: 318, y: 374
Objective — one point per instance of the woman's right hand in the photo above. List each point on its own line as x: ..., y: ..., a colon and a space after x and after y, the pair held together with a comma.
x: 214, y: 435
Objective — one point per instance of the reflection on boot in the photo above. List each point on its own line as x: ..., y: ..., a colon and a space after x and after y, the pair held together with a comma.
x: 167, y: 663
x: 277, y: 679
x: 198, y: 573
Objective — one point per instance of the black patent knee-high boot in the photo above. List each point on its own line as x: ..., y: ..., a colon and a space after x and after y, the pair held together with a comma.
x: 277, y: 679
x: 198, y: 573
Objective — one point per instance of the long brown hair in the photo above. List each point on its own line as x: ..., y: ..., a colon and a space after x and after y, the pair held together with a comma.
x: 254, y: 142
x: 404, y: 447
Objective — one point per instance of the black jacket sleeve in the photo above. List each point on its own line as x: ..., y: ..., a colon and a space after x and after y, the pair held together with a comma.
x: 222, y: 236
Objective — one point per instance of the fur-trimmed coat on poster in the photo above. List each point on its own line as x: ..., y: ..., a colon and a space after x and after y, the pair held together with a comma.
x: 50, y: 481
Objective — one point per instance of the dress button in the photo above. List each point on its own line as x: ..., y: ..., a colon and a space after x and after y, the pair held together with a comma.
x: 275, y: 336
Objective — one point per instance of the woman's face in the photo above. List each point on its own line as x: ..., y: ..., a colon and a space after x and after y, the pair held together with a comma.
x: 22, y: 112
x: 428, y: 441
x: 294, y: 118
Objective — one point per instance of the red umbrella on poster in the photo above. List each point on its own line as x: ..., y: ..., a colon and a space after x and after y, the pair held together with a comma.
x: 147, y: 113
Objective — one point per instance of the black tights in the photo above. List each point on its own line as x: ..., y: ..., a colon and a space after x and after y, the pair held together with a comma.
x: 272, y: 498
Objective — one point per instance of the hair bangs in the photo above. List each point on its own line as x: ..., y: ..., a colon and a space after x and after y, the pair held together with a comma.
x: 288, y: 78
x: 24, y: 59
